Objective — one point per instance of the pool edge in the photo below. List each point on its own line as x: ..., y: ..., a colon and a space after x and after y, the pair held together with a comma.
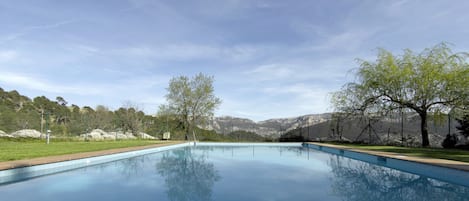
x: 14, y: 171
x: 6, y: 165
x: 55, y: 164
x: 452, y: 164
x: 408, y: 164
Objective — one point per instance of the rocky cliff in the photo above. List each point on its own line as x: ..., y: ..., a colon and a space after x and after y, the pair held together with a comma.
x: 386, y: 130
x: 323, y: 127
x: 271, y: 127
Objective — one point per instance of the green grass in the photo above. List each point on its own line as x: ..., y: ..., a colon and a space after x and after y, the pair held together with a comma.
x: 450, y: 154
x: 27, y: 148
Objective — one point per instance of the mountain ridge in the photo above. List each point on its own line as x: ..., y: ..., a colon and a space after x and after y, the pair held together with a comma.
x: 274, y: 127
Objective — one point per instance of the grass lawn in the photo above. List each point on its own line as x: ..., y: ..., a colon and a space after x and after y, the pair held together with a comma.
x: 26, y: 149
x: 450, y: 154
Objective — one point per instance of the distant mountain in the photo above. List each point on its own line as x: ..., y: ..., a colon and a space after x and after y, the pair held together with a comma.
x: 323, y: 127
x: 386, y: 130
x: 271, y: 127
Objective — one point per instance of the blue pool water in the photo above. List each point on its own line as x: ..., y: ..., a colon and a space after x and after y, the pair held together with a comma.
x: 234, y: 173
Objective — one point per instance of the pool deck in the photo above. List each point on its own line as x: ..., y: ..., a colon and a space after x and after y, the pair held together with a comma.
x: 60, y: 158
x: 431, y: 161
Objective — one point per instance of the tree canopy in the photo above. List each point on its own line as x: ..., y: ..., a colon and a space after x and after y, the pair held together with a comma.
x: 191, y: 100
x: 435, y: 80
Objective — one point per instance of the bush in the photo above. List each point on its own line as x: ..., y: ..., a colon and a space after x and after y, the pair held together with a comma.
x: 450, y: 141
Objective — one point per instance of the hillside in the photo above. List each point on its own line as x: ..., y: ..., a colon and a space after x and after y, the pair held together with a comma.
x: 19, y: 112
x: 382, y: 131
x: 268, y: 128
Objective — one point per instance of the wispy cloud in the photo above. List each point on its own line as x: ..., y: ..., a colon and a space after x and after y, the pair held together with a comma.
x: 145, y: 90
x: 269, y: 58
x: 272, y: 72
x: 300, y: 71
x: 8, y: 55
x: 192, y: 51
x: 302, y: 96
x: 350, y: 40
x: 84, y: 48
x: 282, y: 100
x: 33, y: 29
x: 30, y: 82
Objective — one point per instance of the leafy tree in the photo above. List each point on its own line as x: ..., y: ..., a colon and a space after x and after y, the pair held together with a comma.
x: 192, y: 100
x: 432, y: 81
x: 61, y: 101
x: 7, y: 119
x: 87, y: 117
x: 76, y: 124
x: 130, y: 118
x: 103, y: 118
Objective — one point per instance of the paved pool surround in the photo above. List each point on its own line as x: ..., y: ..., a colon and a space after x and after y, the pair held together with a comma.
x: 445, y: 170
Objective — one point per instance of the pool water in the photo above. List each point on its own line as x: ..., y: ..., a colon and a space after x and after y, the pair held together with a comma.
x: 234, y: 173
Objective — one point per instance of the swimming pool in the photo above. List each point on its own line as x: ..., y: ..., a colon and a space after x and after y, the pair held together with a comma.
x: 235, y: 172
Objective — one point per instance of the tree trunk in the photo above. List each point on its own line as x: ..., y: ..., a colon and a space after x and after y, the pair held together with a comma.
x: 424, y: 129
x: 187, y: 128
x: 193, y: 135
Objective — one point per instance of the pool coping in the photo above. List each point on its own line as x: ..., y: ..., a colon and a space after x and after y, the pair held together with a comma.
x: 458, y: 165
x: 7, y: 165
x: 21, y: 170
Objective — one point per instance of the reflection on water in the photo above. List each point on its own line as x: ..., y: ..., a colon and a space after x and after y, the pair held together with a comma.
x: 234, y: 174
x: 187, y: 176
x: 354, y: 180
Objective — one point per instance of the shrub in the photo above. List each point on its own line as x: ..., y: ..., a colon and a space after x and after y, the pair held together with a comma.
x: 450, y: 141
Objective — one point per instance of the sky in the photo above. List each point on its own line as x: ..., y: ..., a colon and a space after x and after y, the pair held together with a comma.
x: 269, y: 58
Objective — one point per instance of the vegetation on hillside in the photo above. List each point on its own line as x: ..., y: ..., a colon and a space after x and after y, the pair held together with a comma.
x: 64, y: 119
x: 68, y: 120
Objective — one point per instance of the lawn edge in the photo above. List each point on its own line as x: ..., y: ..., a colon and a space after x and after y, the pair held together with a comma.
x: 453, y: 164
x: 6, y: 165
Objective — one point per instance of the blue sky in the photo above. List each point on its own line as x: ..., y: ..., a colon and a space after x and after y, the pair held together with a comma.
x: 270, y: 59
